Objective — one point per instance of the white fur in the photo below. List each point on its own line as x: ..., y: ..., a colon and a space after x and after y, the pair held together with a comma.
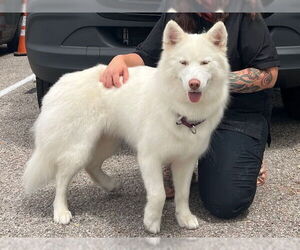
x: 81, y: 123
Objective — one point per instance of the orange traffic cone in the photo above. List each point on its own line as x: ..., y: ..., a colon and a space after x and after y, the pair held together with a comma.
x: 22, y: 46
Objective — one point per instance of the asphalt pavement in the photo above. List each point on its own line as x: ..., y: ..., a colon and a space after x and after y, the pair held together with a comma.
x: 274, y: 213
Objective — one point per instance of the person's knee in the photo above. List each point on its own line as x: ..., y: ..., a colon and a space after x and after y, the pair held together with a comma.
x: 228, y: 210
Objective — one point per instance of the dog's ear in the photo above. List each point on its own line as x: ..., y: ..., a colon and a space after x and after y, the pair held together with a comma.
x: 218, y: 35
x: 173, y: 34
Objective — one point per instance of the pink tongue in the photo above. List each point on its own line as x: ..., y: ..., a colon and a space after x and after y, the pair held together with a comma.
x: 194, y: 96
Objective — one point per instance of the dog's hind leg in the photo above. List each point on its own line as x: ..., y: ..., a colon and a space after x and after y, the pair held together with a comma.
x: 106, y: 147
x: 68, y: 164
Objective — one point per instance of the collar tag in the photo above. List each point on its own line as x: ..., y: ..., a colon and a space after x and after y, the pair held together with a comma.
x: 193, y: 130
x: 182, y: 120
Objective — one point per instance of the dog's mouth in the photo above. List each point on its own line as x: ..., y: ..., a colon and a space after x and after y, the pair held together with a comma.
x: 194, y: 96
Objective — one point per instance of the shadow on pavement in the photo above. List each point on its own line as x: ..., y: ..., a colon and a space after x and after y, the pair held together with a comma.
x: 285, y: 131
x: 4, y: 50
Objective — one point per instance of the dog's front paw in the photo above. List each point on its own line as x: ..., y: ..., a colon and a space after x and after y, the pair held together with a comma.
x: 62, y: 216
x: 152, y: 225
x: 188, y: 220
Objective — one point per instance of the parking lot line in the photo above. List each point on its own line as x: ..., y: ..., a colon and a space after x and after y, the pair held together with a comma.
x: 17, y: 85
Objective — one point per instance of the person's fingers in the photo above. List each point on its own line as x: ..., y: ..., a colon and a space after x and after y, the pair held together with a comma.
x: 125, y: 74
x: 109, y: 81
x: 103, y: 77
x: 116, y: 80
x: 104, y: 80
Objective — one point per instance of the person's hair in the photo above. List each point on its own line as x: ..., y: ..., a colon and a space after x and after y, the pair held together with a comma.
x: 188, y: 21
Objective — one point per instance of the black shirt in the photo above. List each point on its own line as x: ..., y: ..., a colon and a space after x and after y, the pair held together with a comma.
x: 249, y: 46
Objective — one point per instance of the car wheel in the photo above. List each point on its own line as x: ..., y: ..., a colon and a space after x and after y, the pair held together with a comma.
x: 14, y: 43
x: 42, y: 88
x: 291, y: 101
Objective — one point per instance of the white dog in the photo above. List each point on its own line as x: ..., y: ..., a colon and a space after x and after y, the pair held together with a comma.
x: 166, y: 113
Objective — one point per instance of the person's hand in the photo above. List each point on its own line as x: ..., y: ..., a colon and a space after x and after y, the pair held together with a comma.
x: 116, y: 73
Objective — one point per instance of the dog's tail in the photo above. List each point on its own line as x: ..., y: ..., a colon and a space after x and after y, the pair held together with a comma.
x: 38, y: 172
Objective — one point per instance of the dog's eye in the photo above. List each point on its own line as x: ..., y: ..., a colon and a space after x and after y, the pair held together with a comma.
x: 205, y: 62
x: 184, y: 62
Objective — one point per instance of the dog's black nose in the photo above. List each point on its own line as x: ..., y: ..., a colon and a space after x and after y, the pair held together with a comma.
x: 194, y: 84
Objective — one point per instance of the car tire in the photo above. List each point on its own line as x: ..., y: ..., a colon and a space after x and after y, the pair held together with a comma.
x: 42, y: 88
x: 291, y: 101
x: 14, y: 43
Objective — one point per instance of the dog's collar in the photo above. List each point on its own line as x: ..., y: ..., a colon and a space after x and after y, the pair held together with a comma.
x: 182, y: 120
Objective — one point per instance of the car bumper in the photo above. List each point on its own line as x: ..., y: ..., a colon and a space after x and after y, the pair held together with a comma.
x: 84, y: 41
x: 54, y: 51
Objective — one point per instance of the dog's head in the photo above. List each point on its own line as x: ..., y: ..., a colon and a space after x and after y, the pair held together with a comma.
x: 197, y: 61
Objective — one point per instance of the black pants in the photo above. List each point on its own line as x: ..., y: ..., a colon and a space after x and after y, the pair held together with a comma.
x: 229, y: 170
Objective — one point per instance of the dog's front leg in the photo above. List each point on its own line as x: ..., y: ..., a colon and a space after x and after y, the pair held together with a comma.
x: 182, y: 174
x: 151, y: 170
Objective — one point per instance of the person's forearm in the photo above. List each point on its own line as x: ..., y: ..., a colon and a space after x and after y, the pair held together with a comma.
x: 252, y: 80
x: 132, y: 60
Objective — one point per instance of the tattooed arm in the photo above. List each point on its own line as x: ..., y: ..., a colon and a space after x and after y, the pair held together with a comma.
x: 252, y: 80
